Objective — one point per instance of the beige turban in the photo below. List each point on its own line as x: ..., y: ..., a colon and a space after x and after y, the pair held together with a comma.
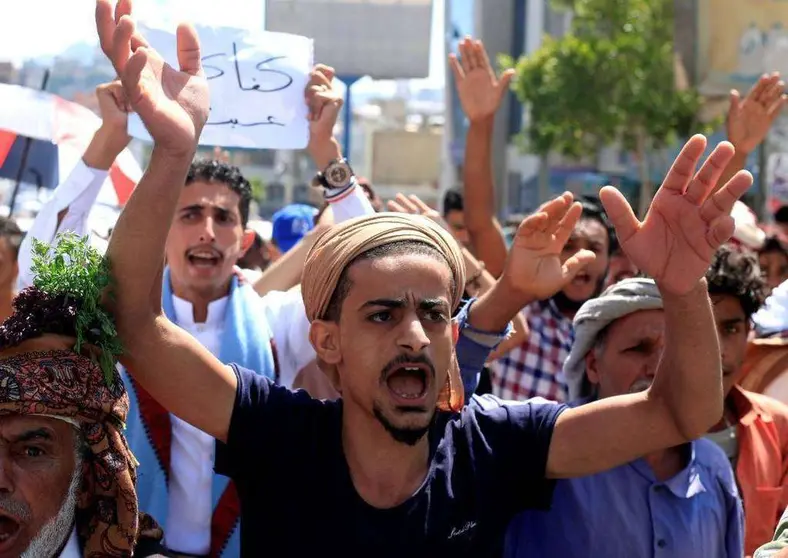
x: 336, y: 248
x: 619, y: 300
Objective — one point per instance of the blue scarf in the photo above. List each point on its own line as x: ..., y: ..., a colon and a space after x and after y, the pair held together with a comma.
x: 247, y: 341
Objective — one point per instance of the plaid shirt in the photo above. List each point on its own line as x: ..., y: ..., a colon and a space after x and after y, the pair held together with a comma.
x: 535, y: 368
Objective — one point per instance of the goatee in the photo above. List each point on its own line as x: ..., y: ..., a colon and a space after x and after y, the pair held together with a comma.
x: 409, y: 436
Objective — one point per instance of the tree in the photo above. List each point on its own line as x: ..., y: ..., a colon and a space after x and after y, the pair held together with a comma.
x: 611, y: 79
x: 258, y: 189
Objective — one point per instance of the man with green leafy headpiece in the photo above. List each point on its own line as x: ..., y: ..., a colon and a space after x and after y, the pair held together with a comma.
x: 67, y: 476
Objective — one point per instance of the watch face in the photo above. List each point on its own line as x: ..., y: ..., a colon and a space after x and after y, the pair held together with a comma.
x: 338, y: 175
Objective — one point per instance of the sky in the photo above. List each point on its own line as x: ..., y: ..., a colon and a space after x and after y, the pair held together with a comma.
x: 37, y: 28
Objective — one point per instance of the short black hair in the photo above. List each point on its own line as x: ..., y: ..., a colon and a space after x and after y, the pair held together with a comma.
x: 593, y: 210
x: 401, y: 247
x: 735, y: 272
x: 12, y: 233
x: 773, y: 244
x: 209, y: 170
x: 781, y: 215
x: 452, y: 201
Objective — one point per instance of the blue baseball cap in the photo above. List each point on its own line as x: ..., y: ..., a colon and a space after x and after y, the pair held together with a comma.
x: 291, y: 223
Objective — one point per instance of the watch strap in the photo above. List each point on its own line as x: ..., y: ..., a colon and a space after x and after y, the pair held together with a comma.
x: 333, y: 195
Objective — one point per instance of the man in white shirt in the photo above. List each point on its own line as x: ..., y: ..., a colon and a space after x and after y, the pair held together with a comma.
x: 176, y: 482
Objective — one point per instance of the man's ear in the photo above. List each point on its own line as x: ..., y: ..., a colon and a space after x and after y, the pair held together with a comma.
x: 324, y: 337
x: 248, y: 240
x: 455, y: 331
x: 592, y: 371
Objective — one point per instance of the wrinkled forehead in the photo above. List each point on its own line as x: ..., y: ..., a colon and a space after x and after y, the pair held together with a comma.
x: 15, y: 427
x: 637, y: 326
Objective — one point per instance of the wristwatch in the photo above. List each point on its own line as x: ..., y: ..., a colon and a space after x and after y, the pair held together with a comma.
x: 336, y: 176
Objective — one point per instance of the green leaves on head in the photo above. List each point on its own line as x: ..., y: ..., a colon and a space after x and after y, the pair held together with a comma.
x: 74, y: 269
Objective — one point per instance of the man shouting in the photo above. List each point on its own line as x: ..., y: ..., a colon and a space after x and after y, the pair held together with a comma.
x: 397, y: 467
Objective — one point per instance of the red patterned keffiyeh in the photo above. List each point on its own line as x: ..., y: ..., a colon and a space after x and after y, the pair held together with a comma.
x: 57, y: 359
x: 44, y: 376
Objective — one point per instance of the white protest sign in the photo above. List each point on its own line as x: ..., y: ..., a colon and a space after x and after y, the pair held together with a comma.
x: 257, y: 81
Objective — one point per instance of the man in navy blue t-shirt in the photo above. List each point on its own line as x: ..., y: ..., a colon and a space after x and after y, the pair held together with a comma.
x: 398, y: 467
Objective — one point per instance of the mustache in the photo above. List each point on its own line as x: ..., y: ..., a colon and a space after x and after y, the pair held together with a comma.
x: 204, y: 248
x: 14, y: 508
x: 402, y: 359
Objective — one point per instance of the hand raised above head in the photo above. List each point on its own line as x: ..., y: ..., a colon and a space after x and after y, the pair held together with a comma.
x: 415, y: 206
x: 534, y: 268
x: 173, y: 104
x: 750, y: 119
x: 323, y: 102
x: 479, y: 89
x: 684, y: 225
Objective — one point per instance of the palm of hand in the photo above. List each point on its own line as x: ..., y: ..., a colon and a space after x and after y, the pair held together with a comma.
x: 748, y: 128
x: 173, y: 105
x: 535, y: 263
x: 671, y: 245
x: 478, y: 93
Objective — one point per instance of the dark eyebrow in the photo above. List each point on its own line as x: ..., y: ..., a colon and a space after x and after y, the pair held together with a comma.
x: 393, y: 303
x: 733, y: 321
x: 30, y: 435
x: 223, y: 211
x: 434, y: 304
x: 190, y: 208
x: 386, y: 303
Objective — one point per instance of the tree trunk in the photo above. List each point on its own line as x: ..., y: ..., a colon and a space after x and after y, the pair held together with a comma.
x: 646, y: 189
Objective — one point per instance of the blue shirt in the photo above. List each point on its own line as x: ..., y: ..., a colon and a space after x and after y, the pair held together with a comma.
x: 627, y: 512
x: 284, y: 452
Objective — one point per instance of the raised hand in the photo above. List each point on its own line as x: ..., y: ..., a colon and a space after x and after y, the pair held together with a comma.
x: 223, y: 156
x: 749, y: 119
x: 480, y: 91
x: 323, y: 102
x: 534, y: 268
x: 415, y: 206
x: 173, y: 104
x: 684, y: 225
x: 111, y: 138
x: 114, y: 109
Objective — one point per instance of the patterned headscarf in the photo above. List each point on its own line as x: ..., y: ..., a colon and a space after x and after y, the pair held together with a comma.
x: 44, y: 376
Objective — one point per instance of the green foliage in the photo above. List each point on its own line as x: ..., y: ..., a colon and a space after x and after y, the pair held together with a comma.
x: 258, y: 188
x: 74, y: 269
x: 610, y: 79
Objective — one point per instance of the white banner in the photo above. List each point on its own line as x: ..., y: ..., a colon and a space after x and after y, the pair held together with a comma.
x: 257, y: 82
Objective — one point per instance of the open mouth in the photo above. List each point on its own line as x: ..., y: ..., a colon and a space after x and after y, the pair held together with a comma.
x: 204, y: 258
x: 9, y: 528
x: 409, y: 382
x: 582, y: 278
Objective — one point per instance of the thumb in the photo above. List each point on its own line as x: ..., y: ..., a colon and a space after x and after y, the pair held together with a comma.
x: 720, y: 230
x: 735, y: 102
x: 619, y: 212
x: 505, y: 80
x: 576, y: 264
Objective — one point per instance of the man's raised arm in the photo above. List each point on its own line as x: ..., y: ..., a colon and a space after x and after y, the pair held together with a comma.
x: 172, y: 366
x: 685, y: 225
